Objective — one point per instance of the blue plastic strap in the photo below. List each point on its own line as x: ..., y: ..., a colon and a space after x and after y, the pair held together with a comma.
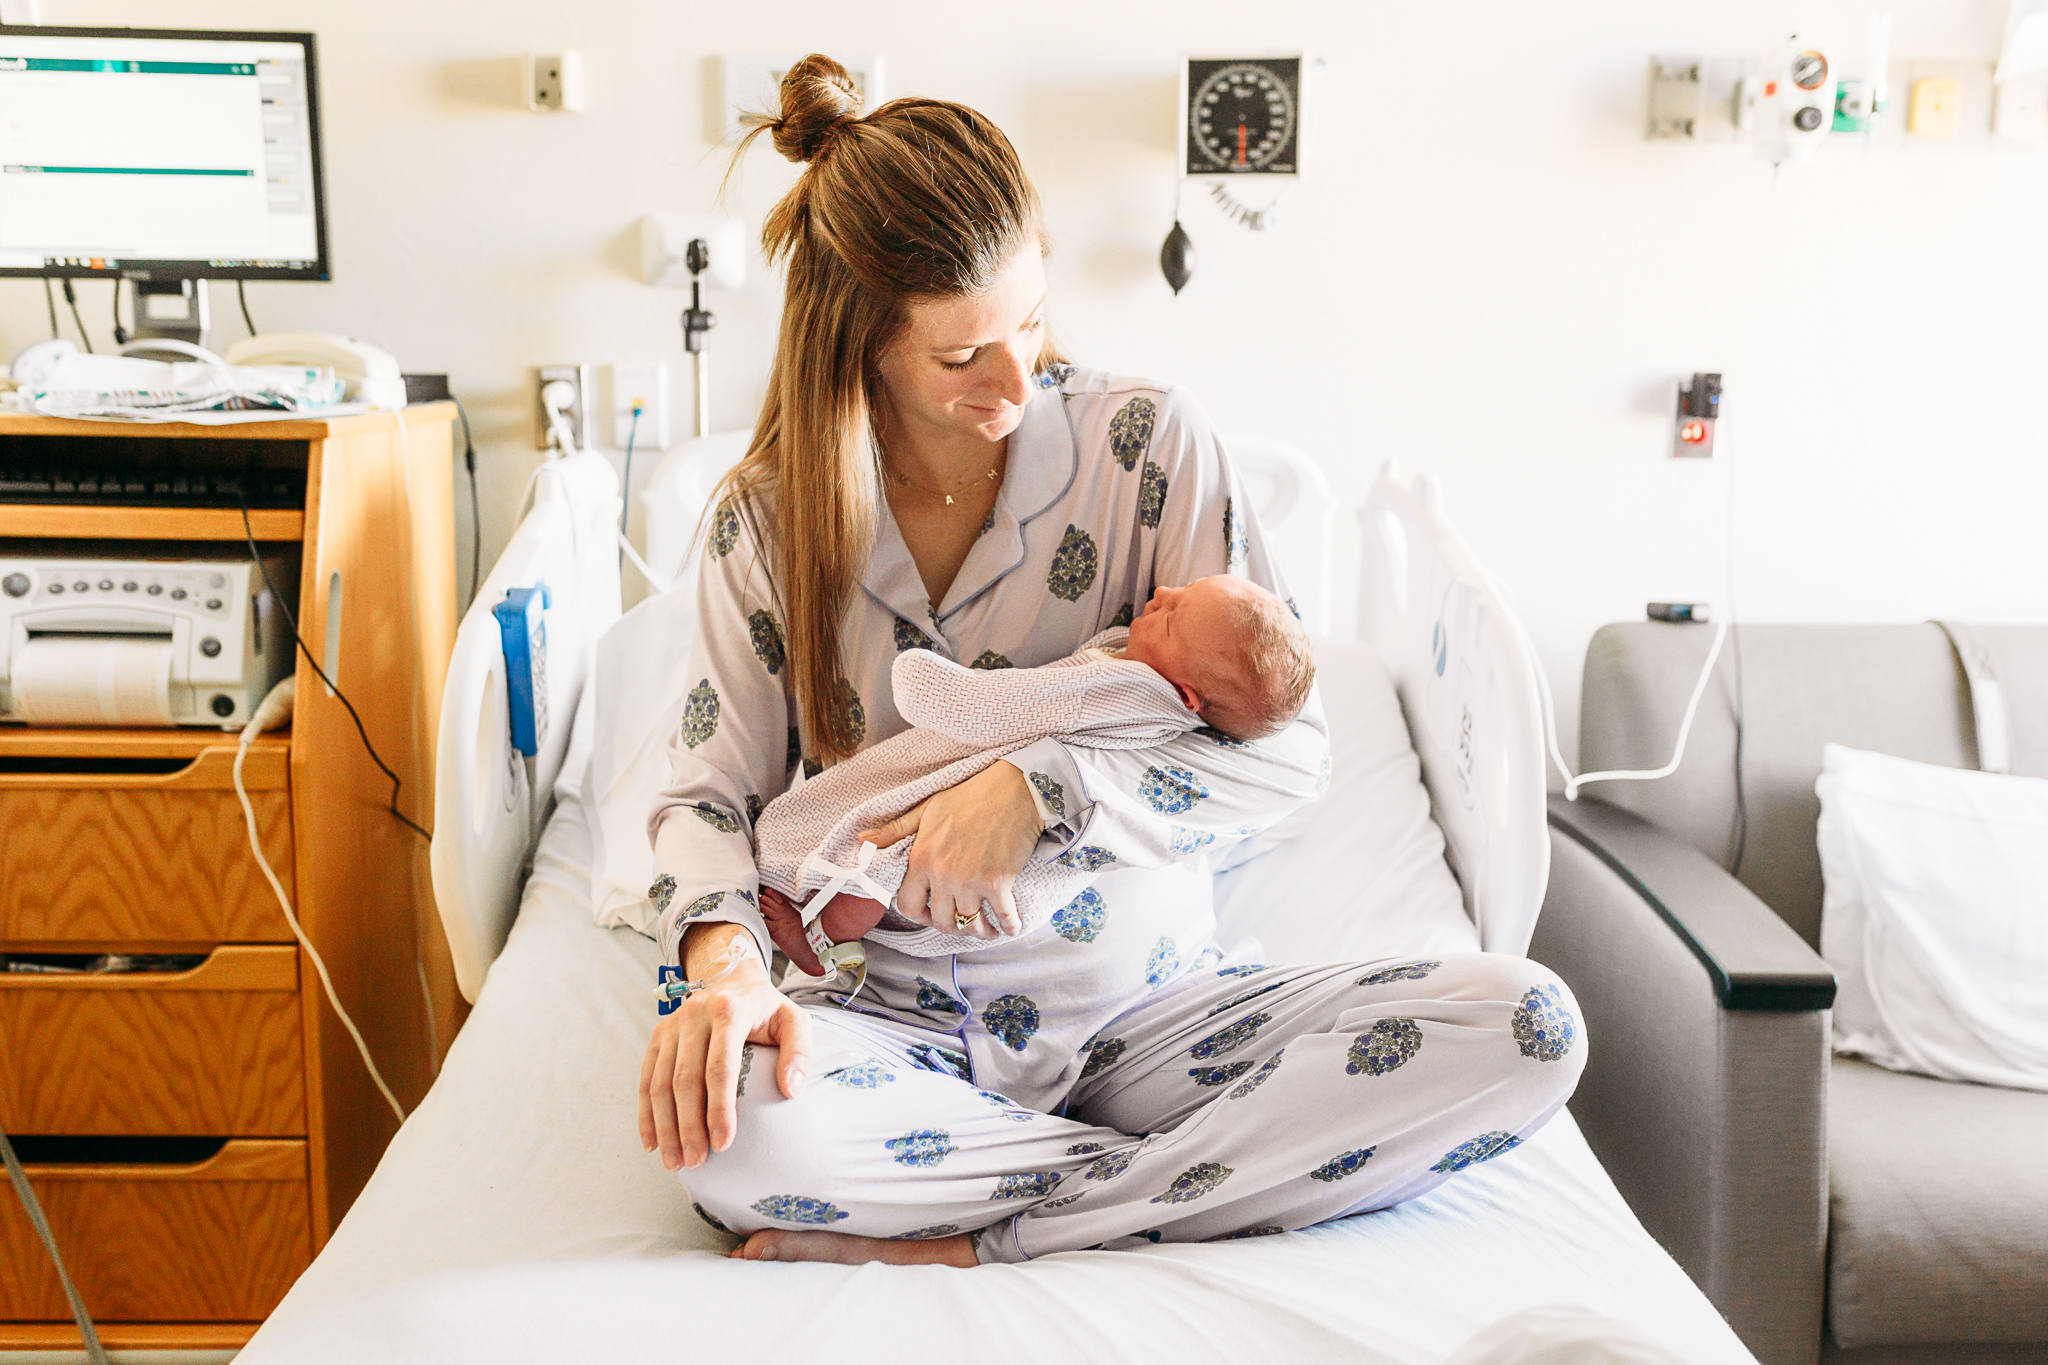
x: 673, y: 1003
x: 522, y: 627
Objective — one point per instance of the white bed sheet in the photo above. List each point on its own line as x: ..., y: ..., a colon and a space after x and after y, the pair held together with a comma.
x: 515, y: 1218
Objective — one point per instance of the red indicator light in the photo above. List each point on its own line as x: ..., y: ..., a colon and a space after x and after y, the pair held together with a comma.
x: 1692, y: 433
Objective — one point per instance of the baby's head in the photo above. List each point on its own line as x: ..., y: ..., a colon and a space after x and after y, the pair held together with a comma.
x: 1235, y: 652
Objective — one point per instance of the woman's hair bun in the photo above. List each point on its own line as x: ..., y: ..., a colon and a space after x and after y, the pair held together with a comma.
x: 818, y: 99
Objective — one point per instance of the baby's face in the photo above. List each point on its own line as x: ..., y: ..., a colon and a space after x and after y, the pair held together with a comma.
x: 1185, y: 633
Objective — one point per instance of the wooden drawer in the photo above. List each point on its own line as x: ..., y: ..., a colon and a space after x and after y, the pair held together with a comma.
x: 215, y: 1051
x: 138, y: 860
x: 218, y: 1240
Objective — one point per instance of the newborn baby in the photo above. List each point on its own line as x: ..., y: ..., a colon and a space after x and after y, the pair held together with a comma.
x: 1221, y: 653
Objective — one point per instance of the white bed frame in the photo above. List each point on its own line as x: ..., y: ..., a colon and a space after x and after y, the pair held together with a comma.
x: 1467, y: 682
x: 488, y: 800
x: 1459, y: 662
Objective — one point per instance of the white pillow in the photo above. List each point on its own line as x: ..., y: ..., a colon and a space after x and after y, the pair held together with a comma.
x: 641, y: 685
x: 1935, y: 917
x: 1359, y: 874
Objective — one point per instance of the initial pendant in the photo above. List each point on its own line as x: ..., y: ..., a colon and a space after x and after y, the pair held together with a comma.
x: 949, y: 499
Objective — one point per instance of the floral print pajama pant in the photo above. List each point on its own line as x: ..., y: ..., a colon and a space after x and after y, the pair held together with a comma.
x: 1232, y: 1103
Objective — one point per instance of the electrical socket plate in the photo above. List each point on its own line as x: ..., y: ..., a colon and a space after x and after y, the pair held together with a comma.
x: 554, y: 82
x: 578, y: 377
x: 648, y: 383
x: 751, y: 83
x: 2019, y: 111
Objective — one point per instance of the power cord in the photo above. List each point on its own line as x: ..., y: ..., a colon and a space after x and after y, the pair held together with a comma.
x: 241, y: 294
x: 121, y: 334
x: 256, y: 556
x: 50, y: 297
x: 273, y: 710
x: 71, y: 297
x: 94, y: 1352
x: 626, y: 484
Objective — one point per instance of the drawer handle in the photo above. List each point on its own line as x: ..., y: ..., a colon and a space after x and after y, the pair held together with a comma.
x: 237, y: 1159
x: 230, y: 967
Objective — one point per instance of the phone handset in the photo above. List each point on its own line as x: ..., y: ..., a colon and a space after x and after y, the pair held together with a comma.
x: 370, y: 372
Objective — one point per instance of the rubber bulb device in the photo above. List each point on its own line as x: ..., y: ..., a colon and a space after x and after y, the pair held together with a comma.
x: 1177, y: 257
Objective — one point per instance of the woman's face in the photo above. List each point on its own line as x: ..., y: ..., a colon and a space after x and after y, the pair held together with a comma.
x: 961, y: 367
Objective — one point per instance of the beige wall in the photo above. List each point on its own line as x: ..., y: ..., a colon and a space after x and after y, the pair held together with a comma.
x: 1488, y: 273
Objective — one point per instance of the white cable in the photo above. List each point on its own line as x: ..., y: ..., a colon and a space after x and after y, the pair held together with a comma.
x: 1692, y: 706
x: 654, y: 580
x: 274, y: 708
x: 1572, y: 783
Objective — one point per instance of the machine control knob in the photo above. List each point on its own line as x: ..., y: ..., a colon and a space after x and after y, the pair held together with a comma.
x: 15, y: 584
x: 129, y: 586
x: 213, y: 604
x: 80, y: 586
x: 210, y: 647
x: 154, y: 589
x: 216, y: 580
x: 56, y: 587
x: 177, y: 594
x: 106, y: 585
x: 223, y: 704
x: 1807, y: 119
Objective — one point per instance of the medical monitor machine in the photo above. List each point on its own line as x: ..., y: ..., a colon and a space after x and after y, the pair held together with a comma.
x: 163, y: 157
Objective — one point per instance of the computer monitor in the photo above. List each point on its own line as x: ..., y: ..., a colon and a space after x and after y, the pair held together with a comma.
x: 160, y: 154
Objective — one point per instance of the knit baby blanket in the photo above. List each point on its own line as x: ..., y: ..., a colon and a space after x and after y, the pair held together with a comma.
x: 964, y: 719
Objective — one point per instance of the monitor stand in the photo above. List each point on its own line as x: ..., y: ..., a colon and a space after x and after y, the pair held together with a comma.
x: 172, y: 310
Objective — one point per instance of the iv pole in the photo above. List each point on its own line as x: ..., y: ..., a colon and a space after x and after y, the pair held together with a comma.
x: 696, y: 322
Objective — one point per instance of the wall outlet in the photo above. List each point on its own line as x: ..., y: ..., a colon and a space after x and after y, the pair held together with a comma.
x: 578, y: 378
x: 2019, y: 110
x: 554, y: 82
x: 648, y: 385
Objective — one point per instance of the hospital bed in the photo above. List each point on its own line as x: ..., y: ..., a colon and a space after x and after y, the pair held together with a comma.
x: 515, y: 1217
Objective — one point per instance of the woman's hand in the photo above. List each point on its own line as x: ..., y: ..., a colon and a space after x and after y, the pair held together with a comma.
x: 972, y: 841
x: 689, y: 1105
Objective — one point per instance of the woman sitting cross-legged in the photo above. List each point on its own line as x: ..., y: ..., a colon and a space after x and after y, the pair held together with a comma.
x: 928, y: 473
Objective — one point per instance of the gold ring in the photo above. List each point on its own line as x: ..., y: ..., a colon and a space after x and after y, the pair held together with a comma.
x: 961, y: 921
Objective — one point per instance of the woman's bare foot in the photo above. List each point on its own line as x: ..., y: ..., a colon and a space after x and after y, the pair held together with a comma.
x: 843, y: 1248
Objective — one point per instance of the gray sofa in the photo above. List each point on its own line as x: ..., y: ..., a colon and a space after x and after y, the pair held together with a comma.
x: 1831, y: 1209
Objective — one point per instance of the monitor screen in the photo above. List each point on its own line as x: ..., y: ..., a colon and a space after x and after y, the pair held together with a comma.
x: 160, y: 153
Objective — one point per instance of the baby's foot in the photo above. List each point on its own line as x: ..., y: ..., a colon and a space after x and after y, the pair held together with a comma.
x: 842, y: 1248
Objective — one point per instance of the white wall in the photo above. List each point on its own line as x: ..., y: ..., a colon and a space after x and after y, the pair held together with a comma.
x: 1488, y: 274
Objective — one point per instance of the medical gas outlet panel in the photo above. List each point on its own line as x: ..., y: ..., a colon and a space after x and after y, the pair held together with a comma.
x: 138, y: 642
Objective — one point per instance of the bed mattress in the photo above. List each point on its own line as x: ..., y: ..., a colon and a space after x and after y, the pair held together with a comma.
x: 515, y: 1218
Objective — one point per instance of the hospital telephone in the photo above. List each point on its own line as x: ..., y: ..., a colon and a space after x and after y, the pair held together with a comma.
x: 370, y: 372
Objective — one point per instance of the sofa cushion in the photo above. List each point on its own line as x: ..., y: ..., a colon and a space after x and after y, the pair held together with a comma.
x: 1938, y: 1210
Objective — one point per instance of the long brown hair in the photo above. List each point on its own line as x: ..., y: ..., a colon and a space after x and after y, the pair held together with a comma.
x: 921, y: 199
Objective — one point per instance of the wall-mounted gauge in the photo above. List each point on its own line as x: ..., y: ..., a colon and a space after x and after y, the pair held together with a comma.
x: 1241, y: 116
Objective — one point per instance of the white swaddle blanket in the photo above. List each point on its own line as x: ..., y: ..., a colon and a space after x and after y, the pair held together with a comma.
x: 807, y: 839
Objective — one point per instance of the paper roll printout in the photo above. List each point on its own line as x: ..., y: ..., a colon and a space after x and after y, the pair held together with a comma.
x: 94, y: 680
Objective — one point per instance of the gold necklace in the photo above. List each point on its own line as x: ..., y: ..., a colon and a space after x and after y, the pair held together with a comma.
x: 994, y: 471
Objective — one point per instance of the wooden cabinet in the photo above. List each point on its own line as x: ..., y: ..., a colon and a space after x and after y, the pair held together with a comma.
x: 195, y: 1134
